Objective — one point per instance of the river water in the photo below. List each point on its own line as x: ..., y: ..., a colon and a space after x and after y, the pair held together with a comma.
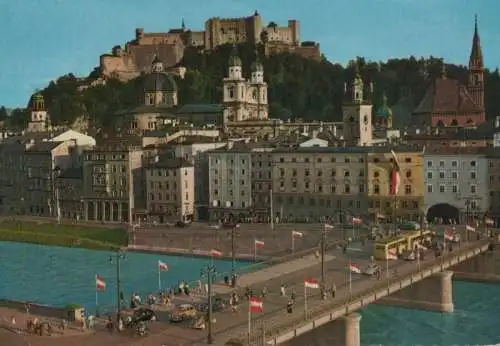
x: 61, y: 276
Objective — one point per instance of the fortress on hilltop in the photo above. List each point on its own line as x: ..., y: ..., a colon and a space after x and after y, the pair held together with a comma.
x: 136, y: 56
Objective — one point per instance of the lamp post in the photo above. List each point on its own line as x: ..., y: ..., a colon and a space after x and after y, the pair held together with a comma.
x: 233, y: 255
x: 55, y: 189
x: 322, y: 253
x: 209, y: 272
x: 117, y: 258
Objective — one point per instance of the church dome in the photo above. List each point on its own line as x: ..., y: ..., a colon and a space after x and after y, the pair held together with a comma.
x: 234, y: 60
x: 384, y: 111
x: 256, y: 66
x: 159, y: 81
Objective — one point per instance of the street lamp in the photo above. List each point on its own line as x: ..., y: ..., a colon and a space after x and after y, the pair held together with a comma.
x: 233, y: 255
x: 117, y: 258
x: 322, y: 252
x: 209, y: 272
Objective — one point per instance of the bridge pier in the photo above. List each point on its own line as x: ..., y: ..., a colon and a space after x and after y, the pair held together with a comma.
x: 432, y: 294
x: 344, y: 331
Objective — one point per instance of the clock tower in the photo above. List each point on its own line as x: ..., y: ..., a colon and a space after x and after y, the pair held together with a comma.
x: 357, y: 113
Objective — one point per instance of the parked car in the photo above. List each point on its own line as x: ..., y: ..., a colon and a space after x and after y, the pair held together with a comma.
x: 409, y: 256
x: 371, y: 269
x: 141, y: 315
x: 183, y: 312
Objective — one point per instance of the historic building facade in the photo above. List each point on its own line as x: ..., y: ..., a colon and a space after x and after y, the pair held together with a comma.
x: 449, y: 103
x: 457, y: 183
x: 39, y: 117
x: 408, y: 203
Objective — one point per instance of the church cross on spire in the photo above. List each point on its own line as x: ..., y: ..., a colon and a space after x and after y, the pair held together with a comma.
x: 476, y: 54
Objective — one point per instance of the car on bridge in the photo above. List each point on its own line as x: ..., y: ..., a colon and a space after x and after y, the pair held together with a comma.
x: 182, y: 313
x: 371, y: 269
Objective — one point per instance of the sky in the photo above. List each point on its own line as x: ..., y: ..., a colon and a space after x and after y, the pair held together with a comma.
x: 44, y: 39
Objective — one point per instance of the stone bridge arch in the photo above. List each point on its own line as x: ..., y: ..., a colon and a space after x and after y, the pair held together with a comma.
x: 444, y: 212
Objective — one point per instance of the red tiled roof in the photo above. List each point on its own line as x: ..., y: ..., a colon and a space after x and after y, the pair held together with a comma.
x: 446, y: 96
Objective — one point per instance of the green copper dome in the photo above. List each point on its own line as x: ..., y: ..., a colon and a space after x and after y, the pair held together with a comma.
x: 384, y: 111
x: 38, y: 97
x: 256, y: 66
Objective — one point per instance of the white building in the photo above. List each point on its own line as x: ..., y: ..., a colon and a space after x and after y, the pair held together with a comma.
x: 230, y: 182
x: 456, y: 183
x: 243, y: 99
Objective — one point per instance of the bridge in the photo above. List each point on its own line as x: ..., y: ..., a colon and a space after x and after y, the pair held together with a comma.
x: 425, y: 285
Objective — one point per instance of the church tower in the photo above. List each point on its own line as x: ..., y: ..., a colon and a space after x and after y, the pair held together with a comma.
x: 357, y: 113
x: 476, y: 70
x: 234, y: 91
x: 257, y: 93
x: 40, y: 120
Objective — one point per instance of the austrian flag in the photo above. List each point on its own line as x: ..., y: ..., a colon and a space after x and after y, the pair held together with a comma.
x: 256, y: 305
x: 215, y: 253
x: 100, y: 284
x: 162, y: 266
x: 259, y: 243
x: 395, y: 175
x: 311, y: 284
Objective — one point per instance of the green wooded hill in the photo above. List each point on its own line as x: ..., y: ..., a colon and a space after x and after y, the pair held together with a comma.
x: 299, y: 88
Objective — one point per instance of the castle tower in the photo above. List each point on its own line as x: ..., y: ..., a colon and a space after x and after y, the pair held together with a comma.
x: 357, y: 114
x: 256, y: 96
x: 476, y: 69
x: 40, y: 120
x: 234, y: 91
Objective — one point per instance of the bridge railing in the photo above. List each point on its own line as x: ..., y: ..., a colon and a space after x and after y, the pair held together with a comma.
x: 287, y: 324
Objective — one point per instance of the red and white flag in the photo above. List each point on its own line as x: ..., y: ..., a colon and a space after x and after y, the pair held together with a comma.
x: 356, y: 221
x: 395, y: 175
x: 259, y: 243
x: 311, y: 284
x: 100, y: 284
x: 215, y: 253
x: 392, y: 254
x: 162, y: 266
x: 353, y: 268
x: 256, y: 305
x: 296, y: 234
x: 328, y: 227
x: 489, y: 221
x: 470, y: 228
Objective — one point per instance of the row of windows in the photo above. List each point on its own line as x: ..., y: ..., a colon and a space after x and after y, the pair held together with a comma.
x: 164, y: 185
x: 346, y: 160
x: 159, y: 196
x: 454, y: 163
x: 102, y: 157
x: 165, y: 172
x: 230, y: 192
x: 453, y: 175
x: 453, y: 188
x: 228, y: 182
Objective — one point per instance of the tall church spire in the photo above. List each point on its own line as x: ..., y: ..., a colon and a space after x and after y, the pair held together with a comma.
x: 476, y: 69
x: 476, y: 54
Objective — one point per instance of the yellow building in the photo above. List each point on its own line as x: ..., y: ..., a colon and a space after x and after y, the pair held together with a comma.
x: 408, y: 204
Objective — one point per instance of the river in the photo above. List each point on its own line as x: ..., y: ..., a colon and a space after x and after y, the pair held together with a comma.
x: 61, y: 276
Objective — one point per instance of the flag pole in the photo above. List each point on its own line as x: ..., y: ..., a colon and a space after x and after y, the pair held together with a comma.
x: 305, y: 300
x: 254, y: 250
x: 159, y: 278
x: 249, y: 319
x: 293, y: 243
x: 387, y: 264
x: 96, y: 301
x: 350, y: 277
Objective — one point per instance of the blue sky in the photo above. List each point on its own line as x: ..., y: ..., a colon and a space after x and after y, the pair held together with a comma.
x: 43, y: 39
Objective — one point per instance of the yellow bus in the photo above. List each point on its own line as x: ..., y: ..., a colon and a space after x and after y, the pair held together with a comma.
x: 396, y: 245
x: 413, y: 237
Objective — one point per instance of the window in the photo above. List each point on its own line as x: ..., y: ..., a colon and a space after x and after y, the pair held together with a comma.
x: 358, y: 204
x: 347, y: 160
x: 429, y: 188
x: 320, y: 173
x: 306, y: 160
x: 376, y: 160
x: 408, y: 159
x: 473, y: 163
x: 320, y: 188
x: 333, y: 188
x: 429, y: 163
x: 429, y: 175
x: 441, y: 163
x: 454, y: 164
x: 376, y: 189
x: 306, y: 172
x: 361, y: 188
x: 306, y: 185
x: 282, y: 172
x: 408, y: 189
x: 408, y: 173
x: 347, y: 188
x: 376, y: 174
x: 441, y: 175
x: 454, y: 175
x: 294, y: 173
x: 282, y: 159
x: 454, y: 188
x: 319, y: 160
x: 473, y: 175
x: 334, y: 172
x: 347, y: 174
x: 473, y: 204
x: 441, y: 188
x: 473, y: 189
x: 361, y: 173
x: 333, y: 160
